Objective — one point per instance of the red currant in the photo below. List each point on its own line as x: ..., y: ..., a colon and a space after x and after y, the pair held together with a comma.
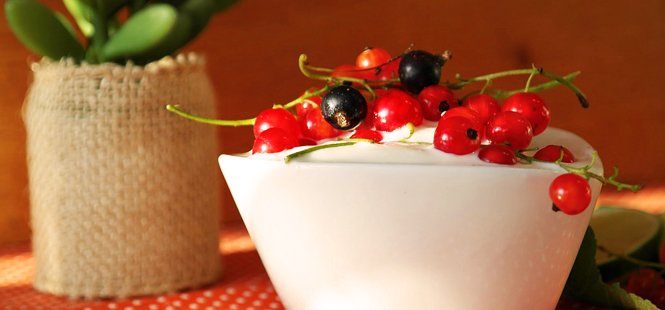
x: 456, y: 135
x: 308, y: 104
x: 497, y: 154
x: 350, y: 71
x: 435, y: 100
x: 395, y: 109
x: 643, y: 282
x: 511, y: 128
x: 273, y: 140
x: 552, y: 153
x: 532, y: 107
x: 570, y: 193
x: 485, y: 105
x: 372, y: 57
x: 278, y: 117
x: 314, y: 126
x: 368, y: 134
x: 469, y: 114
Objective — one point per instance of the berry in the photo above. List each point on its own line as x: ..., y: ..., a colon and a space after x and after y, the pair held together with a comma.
x: 643, y: 282
x: 532, y: 107
x: 350, y: 71
x: 570, y: 193
x: 368, y: 134
x: 372, y: 57
x: 485, y: 105
x: 456, y: 135
x: 315, y: 127
x: 344, y: 107
x: 419, y: 69
x: 435, y: 100
x: 497, y: 154
x: 273, y: 140
x: 395, y: 109
x: 279, y: 118
x: 511, y: 128
x: 469, y: 114
x: 552, y: 153
x: 308, y: 104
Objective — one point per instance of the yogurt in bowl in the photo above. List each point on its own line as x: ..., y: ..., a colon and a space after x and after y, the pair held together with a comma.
x: 405, y: 226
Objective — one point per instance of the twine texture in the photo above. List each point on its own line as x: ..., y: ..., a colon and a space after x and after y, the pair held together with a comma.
x: 124, y: 194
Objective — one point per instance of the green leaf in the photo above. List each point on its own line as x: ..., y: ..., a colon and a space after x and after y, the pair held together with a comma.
x: 221, y: 5
x: 175, y: 39
x: 107, y: 8
x: 81, y: 13
x: 41, y: 31
x: 200, y: 12
x: 585, y: 283
x: 65, y: 23
x: 142, y: 32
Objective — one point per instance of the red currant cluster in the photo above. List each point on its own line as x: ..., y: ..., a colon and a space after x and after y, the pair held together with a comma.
x: 381, y: 94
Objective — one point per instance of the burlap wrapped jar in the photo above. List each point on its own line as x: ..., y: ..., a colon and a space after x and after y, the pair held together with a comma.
x: 124, y: 194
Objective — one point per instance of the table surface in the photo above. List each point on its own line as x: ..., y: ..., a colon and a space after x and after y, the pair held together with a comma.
x: 244, y: 286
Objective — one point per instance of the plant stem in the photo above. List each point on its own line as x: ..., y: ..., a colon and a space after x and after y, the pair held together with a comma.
x: 235, y: 123
x: 584, y: 171
x: 291, y: 156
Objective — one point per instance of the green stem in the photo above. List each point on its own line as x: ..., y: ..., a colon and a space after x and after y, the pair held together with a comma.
x: 584, y: 171
x: 308, y: 94
x: 528, y: 81
x: 234, y: 123
x: 501, y: 94
x: 291, y: 156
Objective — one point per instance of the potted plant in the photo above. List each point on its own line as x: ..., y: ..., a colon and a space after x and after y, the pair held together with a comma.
x: 124, y: 195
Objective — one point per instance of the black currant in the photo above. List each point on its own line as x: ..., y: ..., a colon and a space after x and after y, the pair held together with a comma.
x: 344, y: 107
x: 419, y: 69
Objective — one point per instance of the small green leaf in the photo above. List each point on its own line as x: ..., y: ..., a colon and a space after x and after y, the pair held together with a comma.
x: 81, y: 13
x: 65, y: 23
x: 142, y: 32
x: 41, y: 30
x: 585, y: 283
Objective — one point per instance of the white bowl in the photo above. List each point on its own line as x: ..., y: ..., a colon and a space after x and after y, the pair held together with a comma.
x: 404, y: 236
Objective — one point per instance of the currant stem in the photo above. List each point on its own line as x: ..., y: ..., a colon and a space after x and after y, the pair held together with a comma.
x: 501, y: 94
x: 291, y: 156
x: 584, y: 171
x: 463, y: 82
x: 235, y: 123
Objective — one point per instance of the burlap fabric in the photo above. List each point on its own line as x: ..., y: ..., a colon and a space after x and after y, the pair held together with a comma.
x: 124, y: 194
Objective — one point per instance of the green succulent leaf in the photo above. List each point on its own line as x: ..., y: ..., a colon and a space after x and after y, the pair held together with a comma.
x: 221, y: 5
x: 107, y: 8
x: 142, y: 32
x: 200, y: 12
x: 175, y: 39
x: 41, y: 30
x: 82, y: 14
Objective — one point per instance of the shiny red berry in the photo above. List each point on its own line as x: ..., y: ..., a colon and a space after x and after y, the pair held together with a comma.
x: 532, y: 107
x: 350, y: 71
x: 372, y: 57
x: 485, y: 105
x: 368, y: 134
x: 279, y: 118
x: 273, y: 140
x: 435, y: 100
x: 510, y: 128
x: 497, y: 154
x: 314, y: 126
x: 552, y: 153
x: 395, y: 109
x: 570, y: 193
x: 469, y: 114
x: 456, y: 135
x: 308, y: 104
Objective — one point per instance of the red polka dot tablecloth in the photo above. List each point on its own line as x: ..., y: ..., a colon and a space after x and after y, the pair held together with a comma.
x: 244, y: 286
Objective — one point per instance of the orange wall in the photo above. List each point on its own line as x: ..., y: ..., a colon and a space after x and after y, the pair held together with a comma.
x: 252, y: 51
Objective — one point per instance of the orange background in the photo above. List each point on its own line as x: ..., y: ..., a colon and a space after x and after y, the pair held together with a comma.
x: 252, y: 51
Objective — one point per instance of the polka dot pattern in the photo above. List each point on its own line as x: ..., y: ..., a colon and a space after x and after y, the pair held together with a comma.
x: 245, y: 285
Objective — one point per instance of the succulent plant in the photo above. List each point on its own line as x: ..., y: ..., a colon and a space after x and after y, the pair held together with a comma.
x: 115, y: 30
